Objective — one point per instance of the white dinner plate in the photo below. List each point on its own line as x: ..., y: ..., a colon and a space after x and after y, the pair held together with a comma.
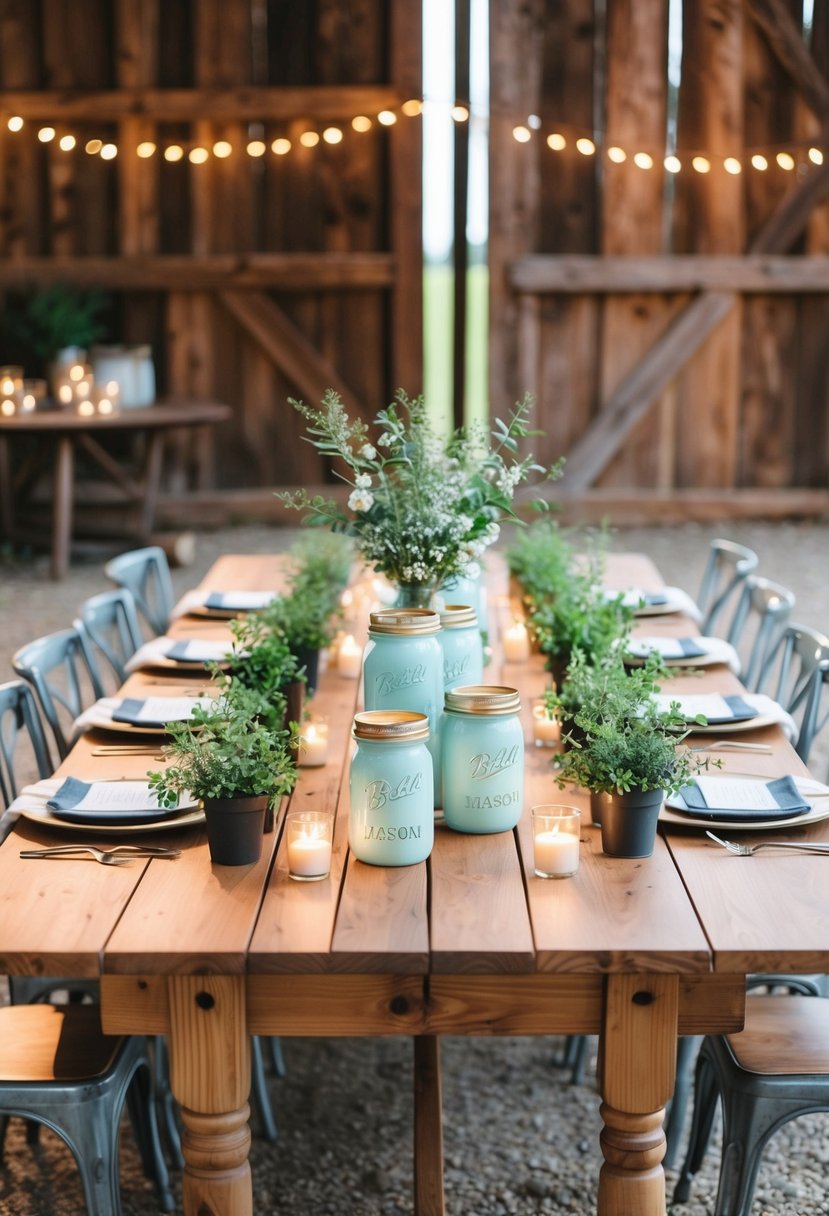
x: 806, y: 786
x: 47, y: 819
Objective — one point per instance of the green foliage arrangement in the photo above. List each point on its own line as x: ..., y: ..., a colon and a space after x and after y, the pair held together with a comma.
x: 421, y: 508
x: 621, y: 741
x: 38, y: 323
x: 262, y: 663
x: 306, y: 617
x: 226, y: 751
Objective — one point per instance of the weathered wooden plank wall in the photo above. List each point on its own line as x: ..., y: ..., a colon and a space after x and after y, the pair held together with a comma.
x: 254, y: 278
x: 670, y: 391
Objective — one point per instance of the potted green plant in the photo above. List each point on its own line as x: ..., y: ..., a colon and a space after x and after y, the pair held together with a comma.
x: 262, y: 662
x: 236, y: 764
x: 624, y: 749
x: 41, y: 323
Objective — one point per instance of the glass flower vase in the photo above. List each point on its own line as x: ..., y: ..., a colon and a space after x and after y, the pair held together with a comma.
x: 414, y: 595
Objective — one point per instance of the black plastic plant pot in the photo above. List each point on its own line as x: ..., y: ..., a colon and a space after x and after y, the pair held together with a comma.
x: 629, y: 822
x: 235, y: 827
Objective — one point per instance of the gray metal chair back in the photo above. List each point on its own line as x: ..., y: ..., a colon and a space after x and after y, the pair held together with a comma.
x: 762, y: 612
x: 81, y: 1099
x: 24, y: 755
x: 110, y: 622
x: 796, y: 674
x: 785, y: 1031
x: 726, y: 569
x: 146, y: 574
x: 61, y: 669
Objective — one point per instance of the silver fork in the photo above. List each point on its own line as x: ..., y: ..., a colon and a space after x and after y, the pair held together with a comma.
x: 746, y: 850
x: 721, y: 745
x: 119, y: 855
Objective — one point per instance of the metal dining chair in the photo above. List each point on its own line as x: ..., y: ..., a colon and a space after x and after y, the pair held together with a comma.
x: 773, y: 1070
x: 110, y: 622
x: 146, y: 574
x: 58, y: 1068
x: 61, y: 669
x: 22, y: 741
x: 762, y: 612
x: 796, y: 674
x: 726, y: 569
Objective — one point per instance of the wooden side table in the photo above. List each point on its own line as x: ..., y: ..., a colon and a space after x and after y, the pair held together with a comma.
x: 61, y: 434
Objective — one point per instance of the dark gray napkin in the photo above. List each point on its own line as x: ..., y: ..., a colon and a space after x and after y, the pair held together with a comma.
x: 783, y: 789
x: 741, y: 711
x: 64, y: 805
x: 129, y: 711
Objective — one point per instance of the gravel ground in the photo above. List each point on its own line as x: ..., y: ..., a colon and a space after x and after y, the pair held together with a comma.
x: 518, y: 1137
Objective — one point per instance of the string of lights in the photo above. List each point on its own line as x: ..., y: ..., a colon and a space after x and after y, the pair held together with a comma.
x: 562, y: 139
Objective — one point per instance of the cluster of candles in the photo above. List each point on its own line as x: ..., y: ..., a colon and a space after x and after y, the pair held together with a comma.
x: 17, y: 395
x: 75, y: 387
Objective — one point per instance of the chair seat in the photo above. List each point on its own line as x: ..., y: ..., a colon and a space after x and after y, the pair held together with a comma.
x: 799, y: 1047
x: 46, y: 1043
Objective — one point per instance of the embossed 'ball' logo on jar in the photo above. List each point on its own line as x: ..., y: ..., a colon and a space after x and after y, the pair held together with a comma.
x: 485, y: 765
x: 392, y: 681
x: 380, y: 792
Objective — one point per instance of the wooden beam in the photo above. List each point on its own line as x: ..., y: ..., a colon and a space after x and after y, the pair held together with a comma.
x: 786, y: 40
x: 787, y: 223
x: 183, y: 272
x: 181, y: 105
x: 580, y: 274
x: 288, y: 347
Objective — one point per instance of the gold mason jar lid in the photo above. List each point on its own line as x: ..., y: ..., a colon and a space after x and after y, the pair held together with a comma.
x: 390, y: 725
x: 483, y: 699
x: 457, y: 616
x: 404, y: 621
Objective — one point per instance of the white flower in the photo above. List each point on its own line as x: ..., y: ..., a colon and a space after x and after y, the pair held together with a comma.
x: 493, y: 531
x: 362, y: 481
x: 473, y: 548
x: 471, y: 570
x: 385, y: 440
x: 360, y: 500
x: 368, y: 452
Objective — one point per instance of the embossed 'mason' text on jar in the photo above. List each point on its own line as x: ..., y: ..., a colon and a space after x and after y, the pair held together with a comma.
x: 483, y: 759
x: 463, y: 651
x: 392, y: 819
x: 403, y: 669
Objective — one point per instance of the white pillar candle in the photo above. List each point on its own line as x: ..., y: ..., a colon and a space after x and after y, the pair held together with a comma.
x: 516, y: 643
x: 555, y: 840
x: 546, y: 729
x: 309, y: 857
x: 313, y: 744
x: 349, y: 658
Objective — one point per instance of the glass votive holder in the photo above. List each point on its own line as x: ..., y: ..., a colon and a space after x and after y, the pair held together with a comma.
x: 546, y: 726
x: 309, y: 837
x: 312, y: 745
x: 556, y: 830
x: 11, y: 404
x: 11, y: 379
x: 34, y: 394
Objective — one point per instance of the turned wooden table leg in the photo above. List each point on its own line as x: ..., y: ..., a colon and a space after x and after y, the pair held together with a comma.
x: 637, y: 1069
x: 210, y: 1077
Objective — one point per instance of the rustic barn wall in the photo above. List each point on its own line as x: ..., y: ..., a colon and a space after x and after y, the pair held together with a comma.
x: 672, y: 326
x: 254, y: 278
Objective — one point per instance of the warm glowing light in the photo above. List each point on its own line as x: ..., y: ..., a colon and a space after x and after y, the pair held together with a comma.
x: 617, y: 155
x: 257, y: 147
x: 7, y: 387
x: 460, y: 113
x: 109, y: 152
x: 86, y: 409
x: 701, y: 164
x: 76, y: 371
x: 146, y: 149
x: 29, y: 401
x: 643, y: 160
x: 785, y: 160
x: 281, y: 146
x: 174, y: 152
x: 759, y: 162
x: 387, y: 118
x: 65, y: 394
x: 309, y: 139
x: 732, y: 165
x: 93, y: 146
x: 521, y: 135
x: 104, y: 405
x: 15, y: 123
x: 412, y: 107
x: 816, y: 156
x: 332, y: 135
x: 66, y: 143
x: 672, y: 163
x: 556, y: 141
x: 585, y: 146
x: 112, y: 388
x: 222, y: 149
x: 7, y: 408
x: 361, y: 123
x: 534, y: 122
x: 82, y: 388
x: 46, y: 134
x: 197, y: 156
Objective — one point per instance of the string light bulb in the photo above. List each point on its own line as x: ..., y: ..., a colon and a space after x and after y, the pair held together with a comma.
x: 198, y: 155
x: 701, y: 164
x: 46, y: 134
x: 109, y: 152
x: 412, y: 107
x: 173, y: 153
x: 585, y: 146
x: 616, y: 154
x: 556, y: 141
x: 145, y: 149
x: 15, y: 123
x: 643, y: 160
x: 93, y: 146
x: 673, y: 164
x: 785, y: 160
x: 281, y: 146
x: 222, y: 149
x: 309, y: 139
x: 521, y: 135
x: 387, y: 118
x: 66, y: 143
x: 460, y: 114
x: 732, y: 165
x: 816, y: 156
x: 256, y: 148
x: 361, y: 123
x: 332, y: 135
x: 759, y: 162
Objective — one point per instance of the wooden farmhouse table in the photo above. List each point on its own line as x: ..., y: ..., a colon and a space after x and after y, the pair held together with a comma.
x: 469, y: 943
x: 59, y: 435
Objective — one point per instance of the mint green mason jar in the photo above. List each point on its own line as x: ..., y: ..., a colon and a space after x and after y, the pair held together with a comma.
x: 403, y: 669
x: 483, y: 759
x: 463, y: 651
x: 392, y: 816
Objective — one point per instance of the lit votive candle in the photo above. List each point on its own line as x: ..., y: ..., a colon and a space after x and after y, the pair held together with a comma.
x: 86, y: 409
x: 516, y: 643
x: 309, y: 837
x: 65, y: 393
x: 546, y: 728
x: 349, y: 657
x: 313, y: 744
x: 11, y: 379
x: 556, y: 831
